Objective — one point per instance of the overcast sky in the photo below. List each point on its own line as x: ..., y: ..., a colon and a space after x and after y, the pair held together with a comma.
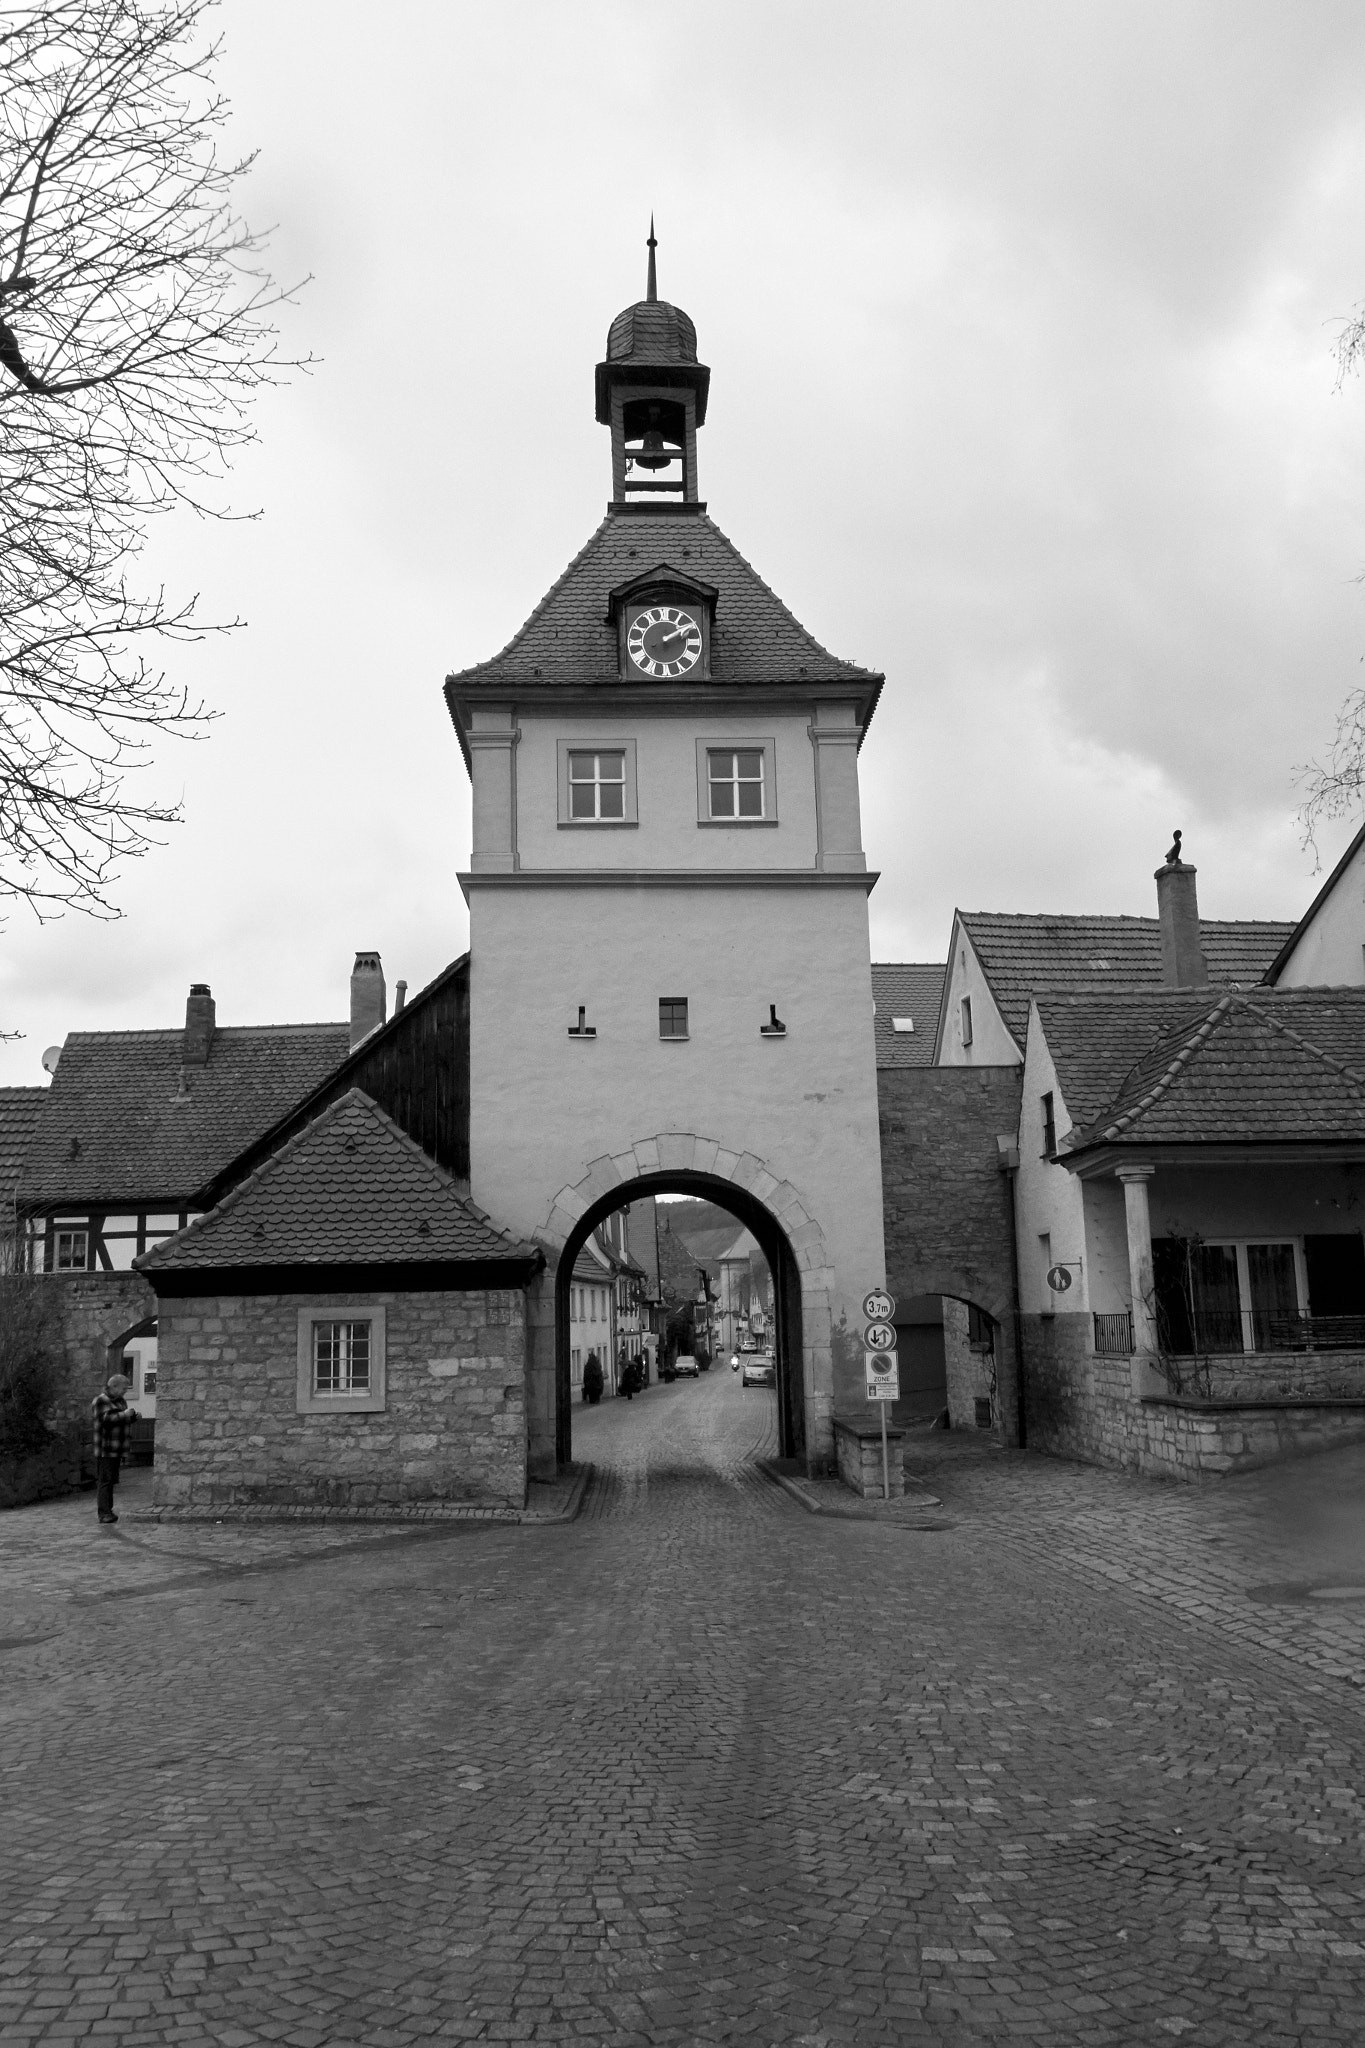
x: 1020, y: 321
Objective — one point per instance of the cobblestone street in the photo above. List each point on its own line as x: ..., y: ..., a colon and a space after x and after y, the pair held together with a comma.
x: 1061, y: 1757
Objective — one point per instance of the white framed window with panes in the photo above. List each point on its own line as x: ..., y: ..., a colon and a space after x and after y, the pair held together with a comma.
x: 100, y: 1241
x: 736, y: 782
x: 597, y: 783
x: 1230, y: 1294
x: 342, y: 1367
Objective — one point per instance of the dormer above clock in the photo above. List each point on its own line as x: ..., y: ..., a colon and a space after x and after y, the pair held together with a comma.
x: 663, y: 622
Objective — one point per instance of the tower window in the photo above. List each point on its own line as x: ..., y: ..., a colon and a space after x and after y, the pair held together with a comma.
x: 597, y: 786
x: 673, y: 1016
x: 966, y: 1020
x: 1049, y: 1128
x: 736, y: 782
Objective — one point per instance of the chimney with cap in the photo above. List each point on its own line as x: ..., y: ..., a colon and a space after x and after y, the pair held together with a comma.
x: 199, y: 1025
x: 369, y: 998
x: 1182, y: 956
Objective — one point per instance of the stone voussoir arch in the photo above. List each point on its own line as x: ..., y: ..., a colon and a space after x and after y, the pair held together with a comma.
x: 993, y: 1294
x: 684, y: 1152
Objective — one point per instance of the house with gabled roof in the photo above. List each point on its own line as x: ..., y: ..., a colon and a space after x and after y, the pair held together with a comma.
x: 1326, y: 948
x: 344, y: 1328
x: 1190, y: 1194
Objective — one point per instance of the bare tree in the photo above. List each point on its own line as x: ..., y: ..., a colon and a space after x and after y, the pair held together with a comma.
x: 1335, y: 786
x: 134, y: 328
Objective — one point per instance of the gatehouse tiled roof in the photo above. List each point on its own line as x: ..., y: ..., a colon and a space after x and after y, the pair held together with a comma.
x: 903, y: 989
x: 569, y: 639
x: 351, y: 1189
x: 20, y: 1110
x: 1021, y: 953
x: 126, y: 1123
x: 1259, y: 1066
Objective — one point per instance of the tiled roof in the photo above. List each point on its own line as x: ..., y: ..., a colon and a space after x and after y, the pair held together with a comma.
x: 118, y: 1129
x: 903, y: 988
x: 350, y: 1189
x: 20, y: 1109
x: 568, y: 638
x: 1021, y: 953
x: 1267, y: 1065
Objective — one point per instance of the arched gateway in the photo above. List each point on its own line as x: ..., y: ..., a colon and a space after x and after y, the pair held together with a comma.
x: 670, y: 983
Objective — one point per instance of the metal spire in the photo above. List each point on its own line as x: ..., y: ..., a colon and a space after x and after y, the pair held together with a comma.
x: 652, y: 286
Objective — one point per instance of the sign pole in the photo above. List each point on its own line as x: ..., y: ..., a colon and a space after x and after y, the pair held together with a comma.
x: 886, y: 1477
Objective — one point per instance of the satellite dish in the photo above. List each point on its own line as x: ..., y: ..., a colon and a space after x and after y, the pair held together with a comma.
x: 51, y: 1058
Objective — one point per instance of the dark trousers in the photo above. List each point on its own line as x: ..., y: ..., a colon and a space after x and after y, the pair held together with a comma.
x: 106, y: 1479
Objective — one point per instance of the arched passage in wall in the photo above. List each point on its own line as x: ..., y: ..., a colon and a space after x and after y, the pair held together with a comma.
x: 978, y: 1346
x: 783, y: 1263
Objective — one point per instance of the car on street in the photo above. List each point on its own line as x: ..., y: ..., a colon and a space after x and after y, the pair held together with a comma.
x: 685, y: 1366
x: 760, y: 1370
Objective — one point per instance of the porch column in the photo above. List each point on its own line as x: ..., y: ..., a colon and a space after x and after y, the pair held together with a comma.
x: 1140, y: 1280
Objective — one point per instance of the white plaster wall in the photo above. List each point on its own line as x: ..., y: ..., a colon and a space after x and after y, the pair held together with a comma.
x: 1329, y: 953
x: 544, y: 1106
x: 1049, y: 1197
x: 668, y: 834
x: 1106, y: 1246
x: 992, y: 1045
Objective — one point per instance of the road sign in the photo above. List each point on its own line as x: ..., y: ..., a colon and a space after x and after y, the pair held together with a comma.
x: 879, y: 1337
x: 879, y: 1306
x: 1058, y: 1279
x: 881, y: 1369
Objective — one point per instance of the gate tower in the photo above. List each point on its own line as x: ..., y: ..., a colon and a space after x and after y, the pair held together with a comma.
x: 669, y: 970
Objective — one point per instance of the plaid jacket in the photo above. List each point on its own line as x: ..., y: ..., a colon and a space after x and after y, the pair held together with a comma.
x: 112, y: 1419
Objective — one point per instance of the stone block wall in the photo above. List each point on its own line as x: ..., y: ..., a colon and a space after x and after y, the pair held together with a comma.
x: 1078, y: 1405
x: 1187, y: 1441
x: 453, y: 1427
x: 946, y: 1203
x: 969, y: 1373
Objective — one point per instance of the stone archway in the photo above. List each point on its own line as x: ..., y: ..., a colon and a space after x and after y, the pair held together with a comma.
x: 680, y: 1161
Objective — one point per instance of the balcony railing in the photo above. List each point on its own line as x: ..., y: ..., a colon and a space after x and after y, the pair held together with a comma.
x: 1224, y: 1332
x: 1114, y: 1335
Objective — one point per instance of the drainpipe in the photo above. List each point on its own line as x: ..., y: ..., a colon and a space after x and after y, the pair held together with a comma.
x: 1009, y: 1167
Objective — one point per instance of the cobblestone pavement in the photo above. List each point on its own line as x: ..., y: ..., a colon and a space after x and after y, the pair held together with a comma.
x: 1066, y: 1759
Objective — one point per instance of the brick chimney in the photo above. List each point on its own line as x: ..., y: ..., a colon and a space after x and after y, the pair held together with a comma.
x: 199, y: 1025
x: 1177, y: 903
x: 369, y: 998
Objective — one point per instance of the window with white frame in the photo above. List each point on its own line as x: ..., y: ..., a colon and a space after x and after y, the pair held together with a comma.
x: 71, y: 1251
x: 597, y: 787
x: 735, y: 782
x: 341, y: 1358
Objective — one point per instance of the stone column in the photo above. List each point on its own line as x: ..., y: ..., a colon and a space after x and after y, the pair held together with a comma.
x: 1141, y: 1283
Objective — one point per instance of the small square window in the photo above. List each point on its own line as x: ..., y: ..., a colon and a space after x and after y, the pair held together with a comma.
x: 341, y: 1358
x: 72, y: 1252
x: 673, y: 1016
x: 597, y: 786
x: 735, y: 781
x: 902, y: 1023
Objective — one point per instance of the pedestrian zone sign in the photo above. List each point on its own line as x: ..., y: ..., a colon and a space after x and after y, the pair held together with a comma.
x: 880, y: 1368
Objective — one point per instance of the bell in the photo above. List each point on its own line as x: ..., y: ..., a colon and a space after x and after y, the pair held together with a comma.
x: 653, y: 454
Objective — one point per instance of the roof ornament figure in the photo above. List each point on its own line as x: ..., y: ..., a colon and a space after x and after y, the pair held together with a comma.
x: 652, y: 282
x: 1173, y: 857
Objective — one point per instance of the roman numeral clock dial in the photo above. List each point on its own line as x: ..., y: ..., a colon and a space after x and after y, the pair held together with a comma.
x: 664, y: 641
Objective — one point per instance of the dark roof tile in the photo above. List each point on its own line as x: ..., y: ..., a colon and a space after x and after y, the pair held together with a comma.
x: 906, y: 989
x: 20, y: 1111
x: 351, y: 1188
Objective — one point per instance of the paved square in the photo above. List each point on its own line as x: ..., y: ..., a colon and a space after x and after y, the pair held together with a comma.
x: 1068, y: 1758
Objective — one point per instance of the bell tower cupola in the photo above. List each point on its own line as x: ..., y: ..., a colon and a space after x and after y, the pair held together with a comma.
x: 651, y: 391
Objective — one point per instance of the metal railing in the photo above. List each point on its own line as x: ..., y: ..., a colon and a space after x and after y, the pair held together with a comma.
x: 1114, y: 1334
x: 1224, y: 1332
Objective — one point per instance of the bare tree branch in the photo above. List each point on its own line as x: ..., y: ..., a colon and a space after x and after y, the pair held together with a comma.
x: 135, y: 329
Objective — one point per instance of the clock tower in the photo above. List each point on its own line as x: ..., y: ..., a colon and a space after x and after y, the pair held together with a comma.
x: 670, y: 988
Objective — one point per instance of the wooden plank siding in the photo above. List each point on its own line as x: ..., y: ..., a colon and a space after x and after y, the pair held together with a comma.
x: 416, y: 1067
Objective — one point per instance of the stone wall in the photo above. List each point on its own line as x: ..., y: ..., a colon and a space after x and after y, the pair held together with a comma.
x: 1189, y: 1439
x: 969, y: 1372
x: 1270, y: 1375
x: 97, y: 1310
x: 947, y: 1205
x: 453, y: 1427
x: 1077, y: 1405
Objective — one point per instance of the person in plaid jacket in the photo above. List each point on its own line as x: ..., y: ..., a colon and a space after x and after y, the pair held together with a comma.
x: 112, y: 1419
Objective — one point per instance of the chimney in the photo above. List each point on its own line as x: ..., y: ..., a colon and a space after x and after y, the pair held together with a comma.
x: 400, y: 996
x: 199, y: 1025
x: 1177, y: 902
x: 368, y: 997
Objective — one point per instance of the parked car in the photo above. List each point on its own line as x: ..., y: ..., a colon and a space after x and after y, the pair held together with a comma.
x: 685, y: 1366
x: 760, y: 1370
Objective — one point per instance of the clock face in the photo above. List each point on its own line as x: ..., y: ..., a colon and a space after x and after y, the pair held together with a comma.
x: 664, y: 641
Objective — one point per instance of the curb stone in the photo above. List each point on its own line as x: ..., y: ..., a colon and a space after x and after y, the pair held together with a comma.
x: 565, y: 1510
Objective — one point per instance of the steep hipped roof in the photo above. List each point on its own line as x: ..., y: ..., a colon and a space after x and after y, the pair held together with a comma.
x: 569, y: 639
x: 119, y: 1128
x: 1021, y: 953
x: 20, y: 1110
x: 903, y: 989
x: 350, y: 1189
x: 1265, y: 1066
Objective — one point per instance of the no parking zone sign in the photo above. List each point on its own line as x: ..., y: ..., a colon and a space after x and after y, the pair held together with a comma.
x: 879, y: 1355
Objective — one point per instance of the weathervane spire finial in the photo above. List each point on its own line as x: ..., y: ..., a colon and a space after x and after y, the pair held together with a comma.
x: 652, y: 285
